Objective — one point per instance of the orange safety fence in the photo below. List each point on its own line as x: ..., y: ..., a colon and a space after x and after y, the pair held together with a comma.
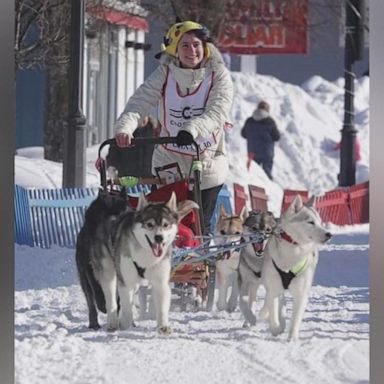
x: 333, y: 207
x: 289, y: 195
x: 258, y: 197
x: 240, y: 197
x: 343, y: 206
x: 359, y: 203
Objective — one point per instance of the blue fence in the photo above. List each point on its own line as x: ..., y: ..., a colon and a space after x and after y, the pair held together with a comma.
x: 224, y: 199
x: 46, y: 217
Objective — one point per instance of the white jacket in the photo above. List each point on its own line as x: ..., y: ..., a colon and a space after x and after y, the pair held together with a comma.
x: 216, y: 114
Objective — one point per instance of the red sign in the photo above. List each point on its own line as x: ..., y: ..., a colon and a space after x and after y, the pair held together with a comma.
x: 264, y: 26
x: 117, y: 17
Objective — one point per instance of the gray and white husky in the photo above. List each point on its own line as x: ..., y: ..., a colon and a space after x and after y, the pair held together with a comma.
x: 251, y: 261
x: 291, y: 256
x: 142, y: 251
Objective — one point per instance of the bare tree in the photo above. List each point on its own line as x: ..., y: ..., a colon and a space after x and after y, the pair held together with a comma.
x: 323, y: 14
x: 42, y: 41
x: 41, y: 29
x: 207, y: 12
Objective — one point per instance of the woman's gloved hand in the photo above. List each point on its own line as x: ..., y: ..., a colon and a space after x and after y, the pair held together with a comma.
x: 99, y: 162
x: 184, y: 138
x: 123, y: 140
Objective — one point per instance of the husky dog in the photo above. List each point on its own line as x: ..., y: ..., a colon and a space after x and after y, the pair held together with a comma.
x: 229, y: 229
x: 290, y: 261
x: 251, y: 261
x: 143, y: 246
x: 94, y: 243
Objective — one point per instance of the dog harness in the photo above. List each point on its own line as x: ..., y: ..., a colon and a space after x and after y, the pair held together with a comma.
x: 139, y: 270
x: 286, y: 277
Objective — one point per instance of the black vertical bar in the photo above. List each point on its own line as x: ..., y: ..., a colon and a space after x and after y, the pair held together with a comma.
x: 74, y: 138
x: 347, y: 176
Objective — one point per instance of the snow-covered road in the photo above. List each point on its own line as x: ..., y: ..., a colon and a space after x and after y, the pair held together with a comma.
x: 54, y: 345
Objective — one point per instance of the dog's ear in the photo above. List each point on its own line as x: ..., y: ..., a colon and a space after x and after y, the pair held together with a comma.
x: 272, y: 219
x: 311, y: 202
x: 184, y: 207
x: 172, y: 204
x: 223, y: 212
x: 296, y: 205
x: 244, y: 214
x: 142, y: 203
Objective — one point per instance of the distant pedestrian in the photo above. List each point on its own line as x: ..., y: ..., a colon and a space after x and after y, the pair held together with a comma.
x: 261, y: 132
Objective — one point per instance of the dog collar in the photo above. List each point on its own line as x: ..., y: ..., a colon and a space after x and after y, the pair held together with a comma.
x: 286, y: 237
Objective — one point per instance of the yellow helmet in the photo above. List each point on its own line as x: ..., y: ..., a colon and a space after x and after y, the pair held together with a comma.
x: 177, y: 30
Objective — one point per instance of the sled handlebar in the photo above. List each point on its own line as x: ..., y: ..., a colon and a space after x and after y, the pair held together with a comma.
x: 161, y: 140
x: 149, y: 141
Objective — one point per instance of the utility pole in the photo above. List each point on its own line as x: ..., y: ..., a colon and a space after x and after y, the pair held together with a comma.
x: 354, y: 47
x: 74, y: 130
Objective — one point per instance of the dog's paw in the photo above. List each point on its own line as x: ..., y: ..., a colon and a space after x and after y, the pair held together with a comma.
x: 126, y: 323
x: 276, y: 331
x: 231, y: 308
x: 111, y: 328
x: 293, y: 336
x: 112, y: 323
x: 250, y: 320
x: 246, y: 325
x: 95, y: 326
x: 165, y: 330
x: 292, y: 339
x: 264, y: 313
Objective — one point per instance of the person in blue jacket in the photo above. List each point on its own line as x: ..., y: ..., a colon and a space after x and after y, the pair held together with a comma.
x: 261, y: 132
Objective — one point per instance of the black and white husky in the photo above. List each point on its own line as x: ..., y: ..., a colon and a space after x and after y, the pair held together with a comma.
x: 291, y: 256
x: 94, y: 243
x: 142, y: 251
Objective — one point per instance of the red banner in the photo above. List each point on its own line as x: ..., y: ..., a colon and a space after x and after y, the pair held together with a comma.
x: 117, y: 17
x: 264, y: 26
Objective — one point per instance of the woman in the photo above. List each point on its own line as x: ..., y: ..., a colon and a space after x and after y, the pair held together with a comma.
x: 193, y: 92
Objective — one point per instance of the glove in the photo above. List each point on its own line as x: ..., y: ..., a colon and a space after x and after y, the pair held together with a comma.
x: 184, y: 138
x: 98, y: 163
x: 123, y: 140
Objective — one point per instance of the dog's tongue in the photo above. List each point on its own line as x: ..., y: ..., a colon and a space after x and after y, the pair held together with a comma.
x: 157, y: 250
x: 258, y: 247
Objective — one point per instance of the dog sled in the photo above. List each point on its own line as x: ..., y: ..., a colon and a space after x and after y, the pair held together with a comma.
x: 193, y: 256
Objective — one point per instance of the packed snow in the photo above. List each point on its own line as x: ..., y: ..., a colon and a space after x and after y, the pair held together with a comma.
x: 54, y: 345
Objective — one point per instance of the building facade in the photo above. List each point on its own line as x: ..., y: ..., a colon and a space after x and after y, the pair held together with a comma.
x: 113, y: 67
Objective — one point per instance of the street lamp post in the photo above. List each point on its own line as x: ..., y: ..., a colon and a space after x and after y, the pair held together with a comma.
x: 74, y: 130
x: 348, y: 133
x: 354, y: 47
